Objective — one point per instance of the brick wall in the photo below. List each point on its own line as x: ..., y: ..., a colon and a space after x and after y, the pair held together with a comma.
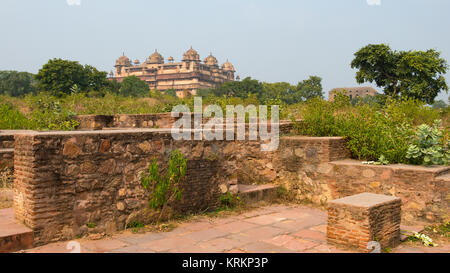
x: 356, y: 220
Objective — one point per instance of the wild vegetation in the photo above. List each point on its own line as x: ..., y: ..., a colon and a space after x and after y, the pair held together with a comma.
x: 396, y: 131
x: 164, y: 184
x: 398, y: 126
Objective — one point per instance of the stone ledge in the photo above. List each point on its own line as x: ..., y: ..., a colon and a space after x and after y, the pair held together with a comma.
x: 356, y: 220
x: 365, y: 200
x: 432, y: 169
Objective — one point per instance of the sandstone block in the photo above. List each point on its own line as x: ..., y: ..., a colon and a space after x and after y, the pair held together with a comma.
x: 356, y: 220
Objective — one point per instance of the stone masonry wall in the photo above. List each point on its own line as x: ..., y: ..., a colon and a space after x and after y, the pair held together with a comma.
x: 158, y: 120
x: 65, y: 180
x: 423, y: 190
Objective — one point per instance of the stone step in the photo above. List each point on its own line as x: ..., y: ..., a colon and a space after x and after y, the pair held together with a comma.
x: 406, y: 231
x: 13, y: 235
x: 255, y: 193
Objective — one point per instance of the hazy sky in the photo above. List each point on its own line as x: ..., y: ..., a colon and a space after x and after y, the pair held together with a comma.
x: 268, y: 40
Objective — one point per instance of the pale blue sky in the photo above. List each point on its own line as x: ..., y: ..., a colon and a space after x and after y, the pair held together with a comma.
x: 268, y: 40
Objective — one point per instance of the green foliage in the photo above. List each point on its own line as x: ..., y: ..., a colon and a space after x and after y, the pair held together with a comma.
x: 164, y: 186
x: 429, y: 147
x: 90, y: 225
x: 379, y: 134
x: 440, y: 229
x: 17, y: 84
x: 135, y: 225
x: 60, y: 76
x: 132, y: 86
x: 47, y: 113
x: 309, y: 89
x: 171, y: 92
x: 413, y: 74
x: 290, y: 94
x: 11, y: 118
x: 241, y: 89
x: 383, y: 161
x: 229, y: 201
x: 426, y: 240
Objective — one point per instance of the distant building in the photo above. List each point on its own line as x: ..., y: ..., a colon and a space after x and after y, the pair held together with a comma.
x: 185, y: 77
x: 352, y: 92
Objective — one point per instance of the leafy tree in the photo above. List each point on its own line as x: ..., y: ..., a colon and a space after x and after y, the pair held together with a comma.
x: 132, y: 86
x: 310, y: 88
x: 96, y: 79
x: 204, y: 92
x: 415, y: 74
x: 290, y: 94
x: 277, y: 90
x: 113, y: 86
x: 240, y: 89
x: 16, y: 84
x: 63, y: 76
x: 59, y: 76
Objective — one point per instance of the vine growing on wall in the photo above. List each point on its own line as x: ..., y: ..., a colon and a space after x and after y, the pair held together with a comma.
x: 165, y: 185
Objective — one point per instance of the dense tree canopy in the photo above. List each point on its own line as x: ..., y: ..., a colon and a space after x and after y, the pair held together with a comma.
x: 241, y: 89
x: 61, y: 76
x: 414, y: 74
x: 268, y: 92
x: 16, y: 84
x: 132, y: 86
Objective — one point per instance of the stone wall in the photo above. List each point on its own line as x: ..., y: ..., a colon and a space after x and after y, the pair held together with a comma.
x: 6, y: 150
x: 7, y: 139
x: 65, y: 180
x: 424, y: 190
x: 159, y: 120
x: 98, y: 122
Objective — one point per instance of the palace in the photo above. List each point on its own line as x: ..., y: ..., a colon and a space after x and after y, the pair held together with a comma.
x: 185, y: 77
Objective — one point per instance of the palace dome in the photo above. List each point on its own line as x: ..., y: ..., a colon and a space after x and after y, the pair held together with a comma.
x: 155, y: 58
x: 191, y: 55
x: 123, y: 61
x: 227, y: 66
x: 211, y: 60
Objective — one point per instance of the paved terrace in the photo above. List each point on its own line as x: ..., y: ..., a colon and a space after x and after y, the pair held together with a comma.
x: 271, y: 229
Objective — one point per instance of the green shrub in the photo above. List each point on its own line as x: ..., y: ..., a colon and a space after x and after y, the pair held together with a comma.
x: 372, y: 131
x: 49, y: 114
x: 11, y: 118
x: 229, y: 201
x: 371, y: 134
x: 411, y: 111
x: 429, y: 146
x: 164, y: 186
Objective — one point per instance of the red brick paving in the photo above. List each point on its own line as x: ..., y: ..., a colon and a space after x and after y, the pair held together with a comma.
x: 273, y: 229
